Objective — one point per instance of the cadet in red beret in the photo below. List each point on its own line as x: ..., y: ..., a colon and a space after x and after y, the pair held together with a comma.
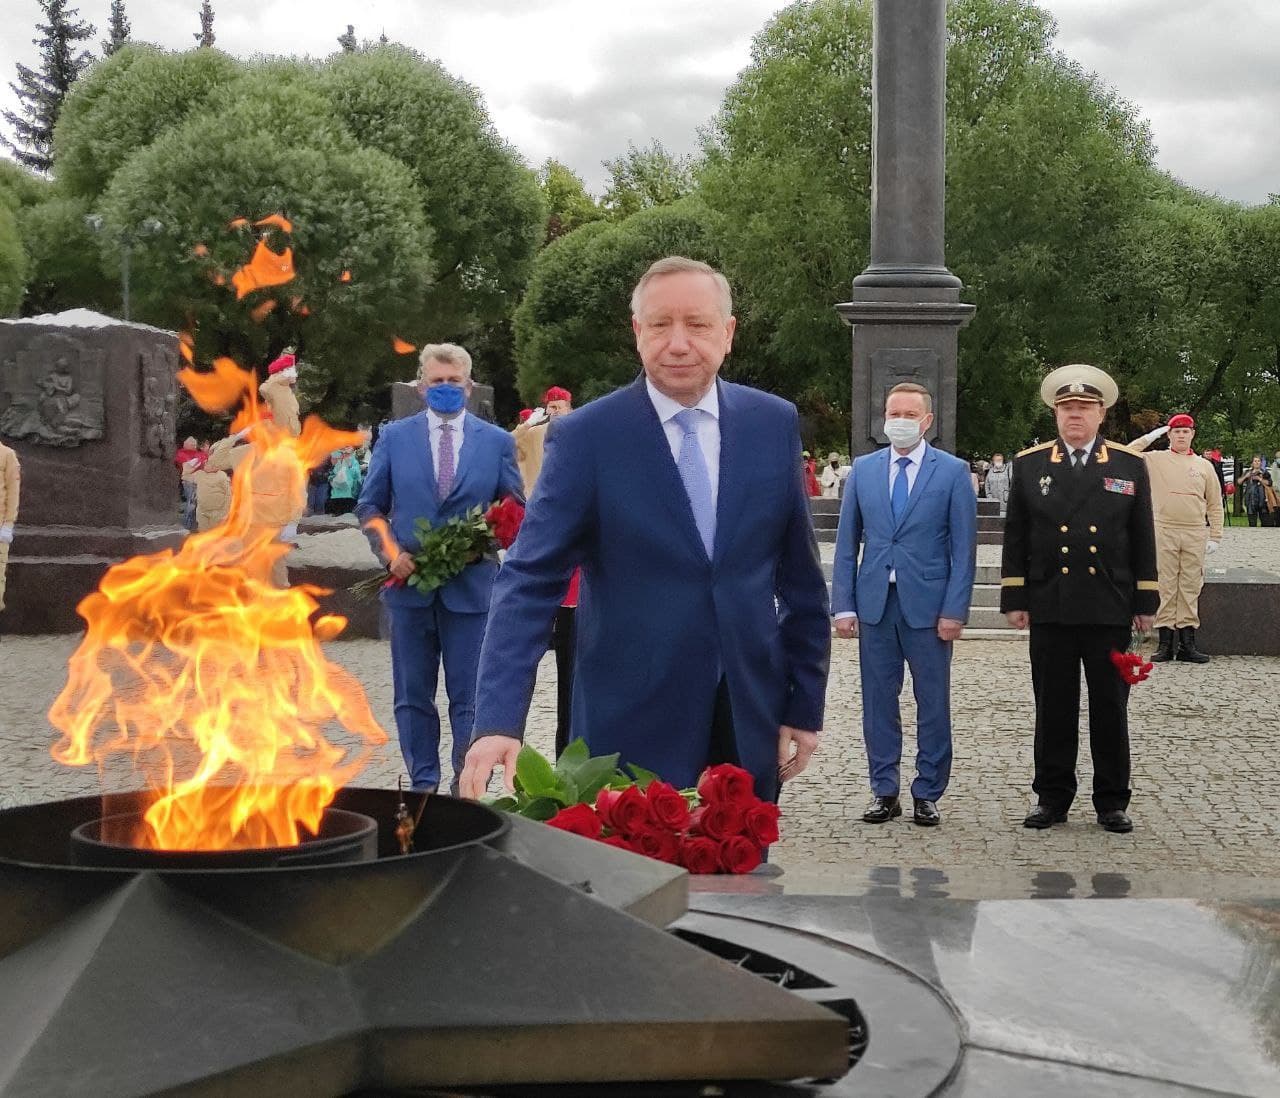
x: 1186, y: 498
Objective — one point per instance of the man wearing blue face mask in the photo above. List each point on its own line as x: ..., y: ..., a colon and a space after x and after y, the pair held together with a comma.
x: 436, y: 465
x: 913, y: 511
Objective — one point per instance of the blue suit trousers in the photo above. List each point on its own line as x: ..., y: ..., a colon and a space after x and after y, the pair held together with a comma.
x: 883, y: 649
x: 420, y: 636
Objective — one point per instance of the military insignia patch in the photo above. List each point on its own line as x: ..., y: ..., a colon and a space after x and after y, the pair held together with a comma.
x: 1121, y: 487
x: 1045, y: 483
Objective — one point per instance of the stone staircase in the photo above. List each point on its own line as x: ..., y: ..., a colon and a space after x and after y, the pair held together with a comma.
x: 985, y: 619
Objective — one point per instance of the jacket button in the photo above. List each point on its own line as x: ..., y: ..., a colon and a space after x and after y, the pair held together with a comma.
x: 1065, y: 549
x: 1064, y: 529
x: 1093, y: 529
x: 1093, y: 548
x: 1065, y: 571
x: 1093, y: 571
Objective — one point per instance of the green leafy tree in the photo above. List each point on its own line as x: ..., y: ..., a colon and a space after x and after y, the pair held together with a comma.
x: 125, y: 103
x: 205, y: 37
x: 20, y: 187
x: 118, y: 29
x: 66, y: 270
x: 41, y: 93
x: 643, y: 178
x: 573, y: 327
x: 265, y: 146
x: 13, y: 262
x: 483, y: 204
x: 569, y: 206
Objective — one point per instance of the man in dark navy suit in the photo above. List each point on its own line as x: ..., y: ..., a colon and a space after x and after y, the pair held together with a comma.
x: 703, y: 634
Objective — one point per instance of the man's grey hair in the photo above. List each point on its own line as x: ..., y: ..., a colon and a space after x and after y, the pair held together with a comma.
x: 444, y: 352
x: 678, y: 264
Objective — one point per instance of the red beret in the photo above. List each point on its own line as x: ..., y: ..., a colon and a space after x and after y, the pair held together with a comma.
x: 556, y: 393
x: 282, y: 363
x: 1181, y: 420
x: 525, y: 413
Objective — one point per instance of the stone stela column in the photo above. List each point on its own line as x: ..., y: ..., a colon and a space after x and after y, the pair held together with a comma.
x: 905, y: 309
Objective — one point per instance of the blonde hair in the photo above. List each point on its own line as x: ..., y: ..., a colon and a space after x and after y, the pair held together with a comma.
x: 912, y: 387
x: 679, y: 264
x: 450, y: 353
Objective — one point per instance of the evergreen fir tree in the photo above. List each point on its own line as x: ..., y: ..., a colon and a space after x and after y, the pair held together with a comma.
x: 348, y: 41
x: 119, y: 29
x: 42, y: 92
x: 206, y: 36
x: 382, y: 38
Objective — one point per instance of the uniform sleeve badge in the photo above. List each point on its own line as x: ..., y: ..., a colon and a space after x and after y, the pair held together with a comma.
x: 1045, y: 484
x: 1120, y: 487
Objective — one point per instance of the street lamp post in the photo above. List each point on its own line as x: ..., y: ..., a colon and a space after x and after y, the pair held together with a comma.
x: 149, y: 226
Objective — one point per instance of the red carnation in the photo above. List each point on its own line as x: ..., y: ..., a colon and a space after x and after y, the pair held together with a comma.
x: 666, y: 807
x: 504, y: 519
x: 762, y: 823
x: 623, y: 810
x: 739, y: 854
x: 717, y: 820
x: 657, y: 842
x: 1131, y: 667
x: 726, y: 783
x: 577, y: 819
x: 699, y: 855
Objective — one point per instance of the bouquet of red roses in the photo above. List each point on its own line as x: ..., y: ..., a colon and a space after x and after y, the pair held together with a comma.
x: 719, y: 827
x: 445, y: 550
x: 1130, y: 664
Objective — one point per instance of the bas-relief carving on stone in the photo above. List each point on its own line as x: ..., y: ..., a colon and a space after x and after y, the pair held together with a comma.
x: 52, y: 393
x: 156, y: 377
x: 895, y: 365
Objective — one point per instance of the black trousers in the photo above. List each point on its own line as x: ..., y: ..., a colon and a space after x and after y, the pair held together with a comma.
x: 562, y: 645
x: 1057, y: 654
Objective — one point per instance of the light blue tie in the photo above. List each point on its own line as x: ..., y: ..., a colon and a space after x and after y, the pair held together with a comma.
x: 697, y: 482
x: 898, y: 498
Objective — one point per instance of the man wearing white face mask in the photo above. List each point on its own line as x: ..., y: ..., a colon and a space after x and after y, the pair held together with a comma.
x: 913, y: 511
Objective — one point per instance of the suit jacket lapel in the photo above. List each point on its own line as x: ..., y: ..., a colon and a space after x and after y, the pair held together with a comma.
x: 421, y: 439
x: 734, y: 446
x: 927, y: 465
x: 656, y: 460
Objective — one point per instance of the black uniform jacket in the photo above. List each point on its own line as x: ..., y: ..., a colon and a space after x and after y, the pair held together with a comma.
x: 1079, y: 545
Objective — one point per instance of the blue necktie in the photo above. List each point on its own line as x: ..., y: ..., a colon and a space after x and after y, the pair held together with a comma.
x: 898, y: 498
x: 697, y: 483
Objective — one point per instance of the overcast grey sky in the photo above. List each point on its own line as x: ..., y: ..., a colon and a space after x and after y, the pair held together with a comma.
x: 578, y: 79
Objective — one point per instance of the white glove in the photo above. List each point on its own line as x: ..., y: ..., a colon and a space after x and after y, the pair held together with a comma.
x: 242, y: 433
x: 192, y: 465
x: 1212, y: 547
x: 539, y: 416
x: 1151, y: 436
x: 6, y: 534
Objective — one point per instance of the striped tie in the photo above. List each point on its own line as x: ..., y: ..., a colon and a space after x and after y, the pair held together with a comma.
x: 448, y: 467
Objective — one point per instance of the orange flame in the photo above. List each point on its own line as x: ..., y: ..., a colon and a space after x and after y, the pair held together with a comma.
x: 238, y: 223
x: 401, y: 347
x: 200, y: 250
x: 210, y: 679
x: 266, y: 268
x: 345, y: 276
x: 379, y: 528
x: 277, y: 221
x: 187, y: 347
x: 260, y: 312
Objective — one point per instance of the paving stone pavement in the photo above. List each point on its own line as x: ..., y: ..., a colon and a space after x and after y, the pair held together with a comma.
x: 1206, y: 747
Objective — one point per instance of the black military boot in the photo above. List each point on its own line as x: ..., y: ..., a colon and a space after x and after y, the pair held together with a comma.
x: 1168, y: 646
x: 1187, y: 649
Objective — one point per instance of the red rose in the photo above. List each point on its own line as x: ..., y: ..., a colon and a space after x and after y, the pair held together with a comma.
x: 619, y: 842
x: 762, y: 823
x: 577, y: 819
x: 658, y: 843
x: 504, y: 520
x: 717, y: 820
x: 726, y: 783
x: 739, y: 854
x: 623, y: 810
x: 699, y: 855
x: 394, y: 581
x: 666, y: 807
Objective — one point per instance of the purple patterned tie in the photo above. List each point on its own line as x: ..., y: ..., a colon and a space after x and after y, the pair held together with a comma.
x: 445, y: 474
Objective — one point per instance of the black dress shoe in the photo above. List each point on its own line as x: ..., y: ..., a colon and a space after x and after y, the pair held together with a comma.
x: 926, y: 814
x: 1116, y: 821
x: 881, y: 810
x: 1043, y: 816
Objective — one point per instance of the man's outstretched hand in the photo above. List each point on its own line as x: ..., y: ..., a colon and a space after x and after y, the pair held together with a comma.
x: 483, y: 757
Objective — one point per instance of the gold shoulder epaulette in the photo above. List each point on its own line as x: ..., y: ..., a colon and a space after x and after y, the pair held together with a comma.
x: 1033, y: 449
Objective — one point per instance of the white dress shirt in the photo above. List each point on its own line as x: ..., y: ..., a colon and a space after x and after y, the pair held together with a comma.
x: 708, y: 430
x: 916, y: 457
x: 1087, y: 448
x: 435, y: 422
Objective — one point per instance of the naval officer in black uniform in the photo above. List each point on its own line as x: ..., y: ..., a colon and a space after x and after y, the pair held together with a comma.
x: 1080, y: 568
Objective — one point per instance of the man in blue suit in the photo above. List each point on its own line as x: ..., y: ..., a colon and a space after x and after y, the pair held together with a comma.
x: 912, y: 510
x: 680, y: 497
x: 436, y: 465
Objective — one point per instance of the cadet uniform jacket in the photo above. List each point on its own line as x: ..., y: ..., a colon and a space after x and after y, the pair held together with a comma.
x: 1079, y: 545
x: 9, y: 486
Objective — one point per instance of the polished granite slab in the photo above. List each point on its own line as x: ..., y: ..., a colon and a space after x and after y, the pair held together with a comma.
x: 1070, y: 997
